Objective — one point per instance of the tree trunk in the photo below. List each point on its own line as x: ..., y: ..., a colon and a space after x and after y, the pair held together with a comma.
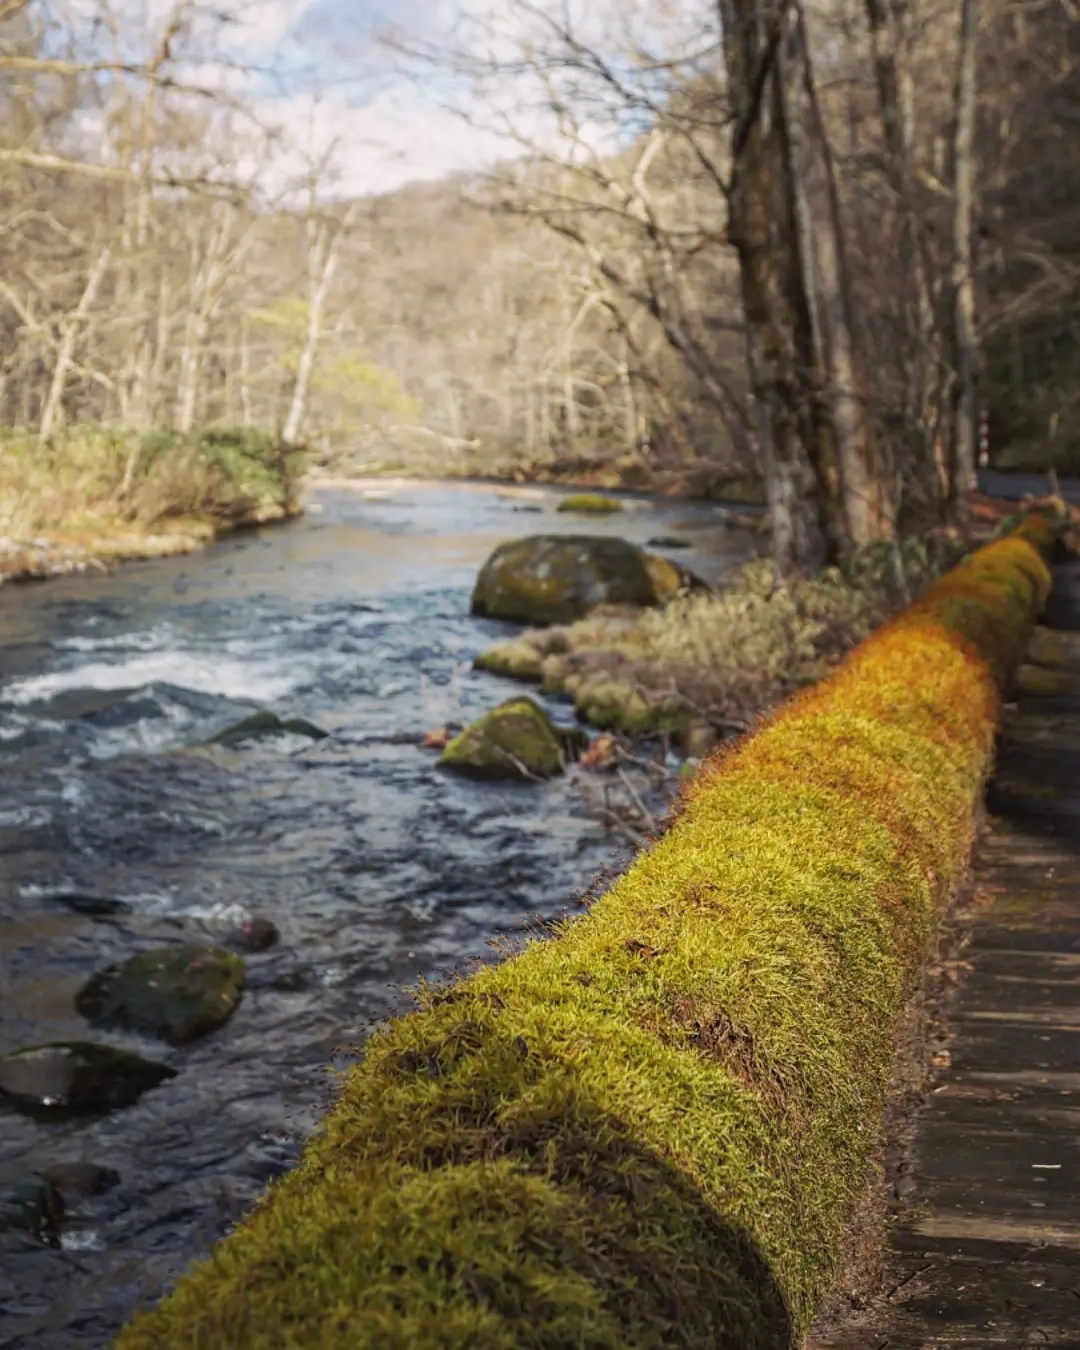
x: 66, y: 350
x: 780, y: 346
x: 865, y: 484
x: 963, y: 278
x: 925, y: 361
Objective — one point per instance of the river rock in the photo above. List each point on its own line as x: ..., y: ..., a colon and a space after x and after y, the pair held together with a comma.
x: 82, y: 1180
x: 91, y: 906
x: 669, y: 541
x: 515, y: 740
x: 67, y: 1077
x: 177, y: 993
x: 264, y: 723
x: 556, y: 578
x: 31, y: 1201
x: 517, y: 659
x: 670, y: 579
x: 590, y: 504
x: 254, y: 935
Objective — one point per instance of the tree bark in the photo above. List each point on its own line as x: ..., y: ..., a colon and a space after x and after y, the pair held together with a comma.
x: 963, y: 277
x: 865, y: 480
x: 66, y: 349
x: 780, y: 347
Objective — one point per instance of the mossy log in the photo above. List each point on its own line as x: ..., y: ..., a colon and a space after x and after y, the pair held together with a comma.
x: 652, y: 1130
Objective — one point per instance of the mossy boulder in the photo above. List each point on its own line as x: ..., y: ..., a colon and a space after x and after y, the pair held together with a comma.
x: 552, y: 578
x: 590, y: 504
x: 670, y: 579
x: 177, y: 993
x: 515, y: 740
x: 69, y: 1077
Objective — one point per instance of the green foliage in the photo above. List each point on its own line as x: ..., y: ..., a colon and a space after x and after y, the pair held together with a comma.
x: 652, y: 1130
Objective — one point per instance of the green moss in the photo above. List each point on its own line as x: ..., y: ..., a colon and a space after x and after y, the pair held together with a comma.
x: 590, y: 504
x: 516, y: 659
x: 652, y: 1130
x: 515, y: 740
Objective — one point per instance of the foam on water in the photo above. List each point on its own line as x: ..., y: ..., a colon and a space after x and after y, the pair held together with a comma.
x: 225, y: 677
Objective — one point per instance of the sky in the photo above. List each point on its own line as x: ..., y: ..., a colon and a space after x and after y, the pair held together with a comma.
x: 332, y: 83
x: 329, y: 81
x: 322, y: 74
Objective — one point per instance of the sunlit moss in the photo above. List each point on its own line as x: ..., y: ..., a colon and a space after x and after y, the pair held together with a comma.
x: 651, y: 1131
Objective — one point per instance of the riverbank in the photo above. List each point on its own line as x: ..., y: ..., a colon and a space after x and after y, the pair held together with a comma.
x: 91, y: 497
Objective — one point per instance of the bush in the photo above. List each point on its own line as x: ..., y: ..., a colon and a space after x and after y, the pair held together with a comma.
x: 651, y: 1131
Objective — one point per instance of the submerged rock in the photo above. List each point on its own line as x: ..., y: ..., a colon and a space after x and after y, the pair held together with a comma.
x: 267, y: 724
x: 68, y: 1077
x: 590, y: 504
x: 669, y: 541
x: 177, y: 993
x: 515, y: 740
x: 82, y: 1180
x: 550, y: 578
x: 91, y: 906
x: 31, y: 1201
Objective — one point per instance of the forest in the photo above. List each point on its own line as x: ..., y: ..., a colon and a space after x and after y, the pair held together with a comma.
x: 827, y: 248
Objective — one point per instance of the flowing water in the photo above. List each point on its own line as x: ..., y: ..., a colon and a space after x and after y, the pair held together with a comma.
x: 376, y: 867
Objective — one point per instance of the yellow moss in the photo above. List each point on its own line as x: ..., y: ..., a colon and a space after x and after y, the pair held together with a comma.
x: 651, y: 1131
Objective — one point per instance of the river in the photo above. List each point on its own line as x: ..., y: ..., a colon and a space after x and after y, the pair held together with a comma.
x: 377, y: 868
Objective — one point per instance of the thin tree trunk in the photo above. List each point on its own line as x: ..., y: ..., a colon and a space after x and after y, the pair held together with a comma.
x: 925, y: 361
x: 963, y: 277
x: 864, y: 478
x: 66, y: 350
x: 323, y: 248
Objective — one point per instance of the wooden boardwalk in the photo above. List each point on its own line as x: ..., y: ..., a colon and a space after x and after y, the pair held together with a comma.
x: 984, y: 1247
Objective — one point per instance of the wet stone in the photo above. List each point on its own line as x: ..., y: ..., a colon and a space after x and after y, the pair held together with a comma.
x: 72, y: 1077
x: 256, y: 934
x: 263, y: 724
x: 82, y: 1180
x: 91, y: 906
x: 30, y: 1201
x: 177, y: 993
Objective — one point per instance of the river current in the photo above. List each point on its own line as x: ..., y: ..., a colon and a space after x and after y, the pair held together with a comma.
x: 377, y: 868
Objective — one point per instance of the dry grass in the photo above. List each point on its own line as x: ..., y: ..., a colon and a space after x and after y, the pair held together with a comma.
x: 75, y: 481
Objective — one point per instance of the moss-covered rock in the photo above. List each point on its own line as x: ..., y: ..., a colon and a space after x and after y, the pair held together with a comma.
x: 669, y: 579
x: 177, y: 993
x: 515, y: 740
x: 69, y: 1077
x: 517, y: 659
x: 590, y: 504
x: 552, y: 578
